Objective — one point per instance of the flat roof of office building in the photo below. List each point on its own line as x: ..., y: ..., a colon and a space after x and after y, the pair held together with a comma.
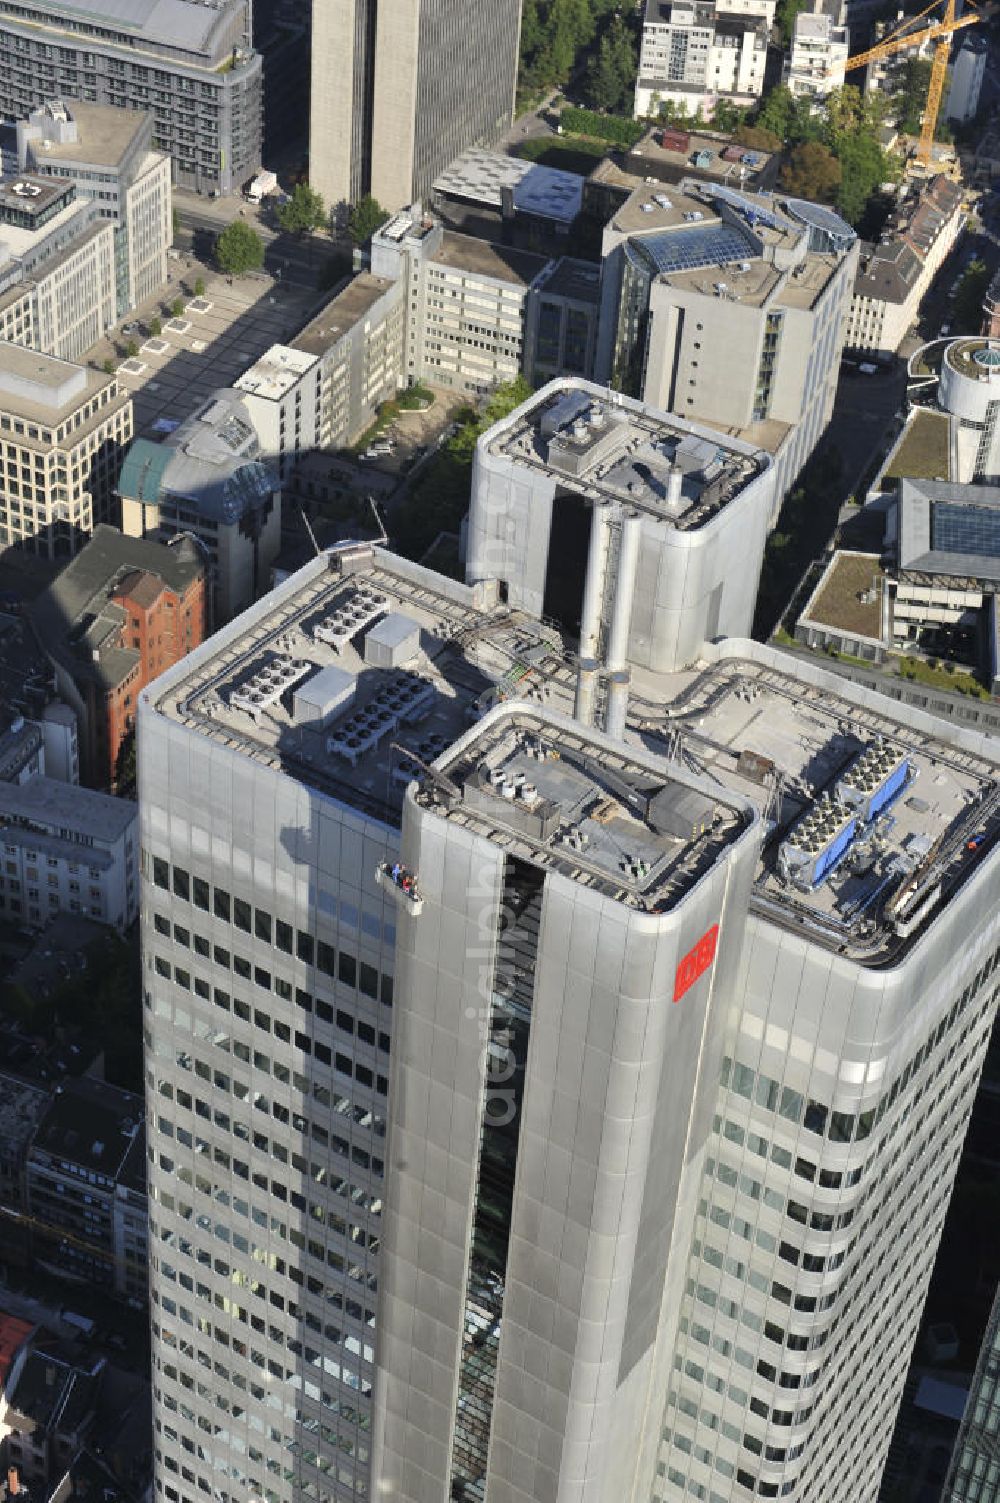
x: 341, y: 314
x: 276, y: 372
x: 28, y: 194
x: 47, y: 803
x: 187, y: 24
x: 792, y: 736
x: 848, y: 596
x: 91, y: 1123
x: 105, y: 133
x: 578, y: 281
x: 748, y: 723
x: 613, y: 448
x: 695, y: 224
x: 608, y: 815
x: 717, y: 155
x: 948, y: 530
x: 37, y: 386
x: 466, y: 253
x: 17, y: 240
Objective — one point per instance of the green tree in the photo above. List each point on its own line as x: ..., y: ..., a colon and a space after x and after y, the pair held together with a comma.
x: 109, y: 366
x: 812, y: 171
x: 863, y: 168
x: 777, y: 113
x: 367, y: 216
x: 910, y: 102
x: 531, y: 30
x: 440, y: 497
x: 199, y: 286
x: 756, y: 137
x: 568, y: 28
x: 675, y: 113
x: 968, y: 306
x: 155, y: 326
x: 727, y: 116
x: 176, y: 308
x: 132, y: 349
x: 239, y: 249
x: 603, y: 86
x: 304, y: 211
x: 625, y: 48
x: 785, y: 15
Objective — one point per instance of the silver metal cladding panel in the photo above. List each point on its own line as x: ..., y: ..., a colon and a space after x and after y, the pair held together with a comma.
x: 599, y: 1169
x: 300, y: 857
x: 621, y: 1086
x: 444, y: 966
x: 692, y: 587
x: 510, y: 517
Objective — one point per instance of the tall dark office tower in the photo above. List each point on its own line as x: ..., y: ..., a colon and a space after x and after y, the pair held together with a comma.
x: 401, y: 87
x: 974, y: 1476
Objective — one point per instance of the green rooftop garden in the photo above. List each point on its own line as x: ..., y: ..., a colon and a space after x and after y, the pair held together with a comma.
x: 924, y: 451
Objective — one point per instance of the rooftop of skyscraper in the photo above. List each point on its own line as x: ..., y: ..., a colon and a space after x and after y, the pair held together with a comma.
x: 606, y: 815
x: 363, y: 670
x: 611, y: 448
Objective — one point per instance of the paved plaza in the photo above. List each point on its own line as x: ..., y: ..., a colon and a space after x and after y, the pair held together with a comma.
x: 211, y: 343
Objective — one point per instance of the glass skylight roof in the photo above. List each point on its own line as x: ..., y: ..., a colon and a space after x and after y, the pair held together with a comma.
x: 827, y: 231
x: 689, y: 247
x: 752, y: 211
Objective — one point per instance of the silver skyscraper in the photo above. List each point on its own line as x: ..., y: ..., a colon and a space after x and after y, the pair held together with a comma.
x: 684, y: 1026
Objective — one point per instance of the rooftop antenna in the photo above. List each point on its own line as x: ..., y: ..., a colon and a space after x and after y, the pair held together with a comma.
x: 384, y: 536
x: 312, y: 536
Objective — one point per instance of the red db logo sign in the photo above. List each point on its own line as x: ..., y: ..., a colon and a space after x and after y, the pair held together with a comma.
x: 696, y: 962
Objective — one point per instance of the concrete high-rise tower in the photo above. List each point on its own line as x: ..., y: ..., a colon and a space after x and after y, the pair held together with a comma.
x: 402, y: 87
x: 684, y: 1021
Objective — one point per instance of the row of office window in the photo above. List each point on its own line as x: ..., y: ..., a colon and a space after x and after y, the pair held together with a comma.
x: 337, y: 965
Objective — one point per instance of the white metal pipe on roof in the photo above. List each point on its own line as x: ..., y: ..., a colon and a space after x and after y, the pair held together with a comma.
x: 621, y: 610
x: 586, y: 691
x: 614, y: 724
x: 593, y: 589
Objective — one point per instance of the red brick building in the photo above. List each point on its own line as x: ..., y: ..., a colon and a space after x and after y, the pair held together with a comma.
x: 118, y: 615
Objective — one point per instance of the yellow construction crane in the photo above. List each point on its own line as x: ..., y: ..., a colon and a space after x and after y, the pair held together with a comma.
x: 940, y: 32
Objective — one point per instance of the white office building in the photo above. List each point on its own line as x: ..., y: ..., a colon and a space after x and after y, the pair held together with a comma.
x: 818, y: 54
x: 108, y: 153
x: 464, y: 298
x: 191, y: 65
x: 67, y: 849
x: 699, y: 281
x: 281, y: 392
x: 967, y: 74
x: 696, y: 52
